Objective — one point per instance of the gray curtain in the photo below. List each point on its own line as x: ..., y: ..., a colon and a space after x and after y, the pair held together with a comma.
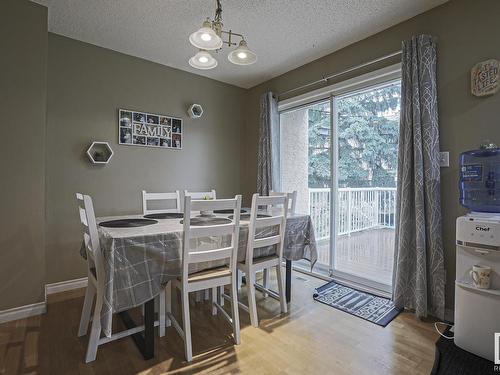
x: 268, y: 173
x: 419, y: 281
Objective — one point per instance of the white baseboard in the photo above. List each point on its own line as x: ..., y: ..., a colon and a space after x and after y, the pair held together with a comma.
x: 22, y: 312
x: 64, y: 286
x: 38, y: 308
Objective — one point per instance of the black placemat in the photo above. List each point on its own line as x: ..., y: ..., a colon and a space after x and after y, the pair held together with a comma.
x: 228, y: 211
x: 165, y: 215
x: 201, y: 221
x: 247, y: 216
x: 127, y: 223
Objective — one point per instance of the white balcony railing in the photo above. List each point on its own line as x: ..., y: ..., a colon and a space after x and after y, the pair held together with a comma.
x: 359, y: 209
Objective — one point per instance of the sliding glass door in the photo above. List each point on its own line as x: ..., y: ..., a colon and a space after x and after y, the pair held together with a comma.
x: 340, y: 154
x: 367, y: 132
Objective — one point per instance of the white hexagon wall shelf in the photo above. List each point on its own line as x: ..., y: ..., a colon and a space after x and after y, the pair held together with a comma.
x: 195, y: 111
x: 100, y: 152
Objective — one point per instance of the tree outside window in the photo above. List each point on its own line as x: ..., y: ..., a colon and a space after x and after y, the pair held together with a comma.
x: 368, y: 131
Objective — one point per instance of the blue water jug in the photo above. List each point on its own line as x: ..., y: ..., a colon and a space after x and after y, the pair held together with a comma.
x: 480, y: 180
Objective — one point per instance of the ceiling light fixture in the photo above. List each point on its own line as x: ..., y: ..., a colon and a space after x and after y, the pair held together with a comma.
x: 209, y: 38
x: 203, y: 60
x: 206, y: 38
x: 242, y: 55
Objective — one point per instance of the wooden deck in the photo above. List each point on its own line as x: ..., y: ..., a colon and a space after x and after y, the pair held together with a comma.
x: 368, y: 254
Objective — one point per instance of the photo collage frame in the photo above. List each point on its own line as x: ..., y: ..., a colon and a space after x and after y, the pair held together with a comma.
x: 149, y: 130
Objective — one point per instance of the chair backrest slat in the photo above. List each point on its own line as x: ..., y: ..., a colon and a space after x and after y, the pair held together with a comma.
x: 213, y: 230
x: 273, y: 226
x: 268, y: 221
x: 88, y: 243
x: 210, y: 255
x: 149, y: 197
x: 200, y: 195
x: 270, y: 200
x: 267, y: 241
x: 83, y: 216
x: 219, y: 248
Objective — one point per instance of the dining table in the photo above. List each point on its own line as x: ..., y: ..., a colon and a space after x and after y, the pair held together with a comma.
x: 140, y: 261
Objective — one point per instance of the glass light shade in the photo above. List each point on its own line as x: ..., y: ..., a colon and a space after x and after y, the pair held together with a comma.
x: 203, y: 60
x: 242, y: 55
x: 205, y: 38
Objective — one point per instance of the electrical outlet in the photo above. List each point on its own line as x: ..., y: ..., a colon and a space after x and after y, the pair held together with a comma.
x: 444, y: 159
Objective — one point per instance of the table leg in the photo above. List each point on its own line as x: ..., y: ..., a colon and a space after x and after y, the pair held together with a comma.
x: 288, y: 280
x: 144, y: 342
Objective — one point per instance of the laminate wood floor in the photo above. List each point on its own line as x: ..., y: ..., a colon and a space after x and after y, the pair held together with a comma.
x: 311, y: 339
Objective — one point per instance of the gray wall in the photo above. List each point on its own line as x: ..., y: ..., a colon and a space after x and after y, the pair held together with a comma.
x: 86, y: 86
x: 468, y: 32
x: 23, y: 42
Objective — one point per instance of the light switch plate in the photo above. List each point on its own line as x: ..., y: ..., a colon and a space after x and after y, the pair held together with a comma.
x: 444, y: 159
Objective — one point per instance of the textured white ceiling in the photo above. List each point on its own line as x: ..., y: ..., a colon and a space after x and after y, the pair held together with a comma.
x: 285, y: 34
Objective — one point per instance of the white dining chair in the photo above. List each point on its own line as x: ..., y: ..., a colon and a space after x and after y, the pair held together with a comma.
x: 199, y: 195
x: 275, y: 225
x: 193, y: 252
x: 292, y: 203
x: 292, y: 199
x: 174, y: 197
x: 95, y: 287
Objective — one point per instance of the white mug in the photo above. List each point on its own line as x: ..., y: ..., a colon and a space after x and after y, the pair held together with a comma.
x: 480, y: 276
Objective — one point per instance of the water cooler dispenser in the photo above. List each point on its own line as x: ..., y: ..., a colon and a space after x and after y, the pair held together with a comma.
x: 477, y: 311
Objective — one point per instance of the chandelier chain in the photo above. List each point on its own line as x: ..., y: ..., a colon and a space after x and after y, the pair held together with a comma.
x: 218, y: 12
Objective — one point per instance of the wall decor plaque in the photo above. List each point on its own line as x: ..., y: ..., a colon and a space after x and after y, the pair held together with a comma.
x: 149, y: 130
x: 484, y: 78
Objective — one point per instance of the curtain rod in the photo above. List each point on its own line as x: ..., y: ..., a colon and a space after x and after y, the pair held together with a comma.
x: 330, y: 76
